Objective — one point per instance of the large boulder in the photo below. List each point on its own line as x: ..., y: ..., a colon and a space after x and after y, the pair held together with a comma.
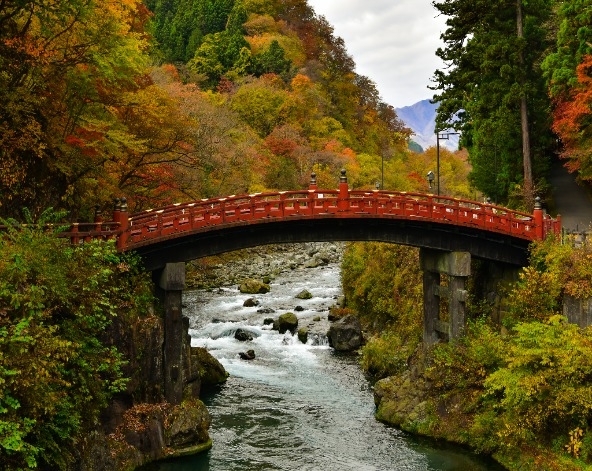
x: 253, y: 286
x: 345, y: 335
x: 286, y: 322
x: 207, y: 368
x: 188, y: 432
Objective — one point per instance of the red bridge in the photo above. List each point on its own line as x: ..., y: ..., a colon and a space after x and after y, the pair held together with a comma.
x: 448, y: 231
x: 185, y: 231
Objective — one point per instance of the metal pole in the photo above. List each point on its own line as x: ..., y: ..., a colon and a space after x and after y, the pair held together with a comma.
x: 382, y: 173
x: 438, y: 163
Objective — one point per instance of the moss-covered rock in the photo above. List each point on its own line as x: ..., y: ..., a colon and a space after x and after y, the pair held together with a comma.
x: 304, y: 294
x: 286, y: 322
x: 253, y: 286
x: 303, y: 334
x: 209, y: 369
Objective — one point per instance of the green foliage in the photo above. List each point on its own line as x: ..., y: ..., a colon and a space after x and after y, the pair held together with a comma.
x: 543, y: 390
x: 56, y: 371
x: 491, y: 70
x: 555, y: 269
x: 574, y: 35
x: 181, y: 25
x: 382, y: 283
x: 528, y: 389
x: 385, y: 354
x: 260, y: 105
x: 272, y: 61
x: 464, y: 365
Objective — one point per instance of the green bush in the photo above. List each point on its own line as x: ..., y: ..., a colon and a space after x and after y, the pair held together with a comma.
x: 383, y: 285
x: 385, y: 355
x: 56, y: 374
x: 544, y: 388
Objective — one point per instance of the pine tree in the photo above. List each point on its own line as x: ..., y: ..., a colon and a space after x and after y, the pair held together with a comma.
x: 493, y: 91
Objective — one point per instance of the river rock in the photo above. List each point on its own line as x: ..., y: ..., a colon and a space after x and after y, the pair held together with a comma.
x: 303, y: 334
x: 346, y: 334
x: 251, y: 302
x: 265, y: 310
x: 248, y: 355
x: 242, y: 335
x: 286, y: 322
x: 304, y: 294
x: 188, y: 428
x: 253, y: 286
x: 207, y: 367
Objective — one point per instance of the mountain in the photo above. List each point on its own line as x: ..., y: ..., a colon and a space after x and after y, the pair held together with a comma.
x: 421, y: 118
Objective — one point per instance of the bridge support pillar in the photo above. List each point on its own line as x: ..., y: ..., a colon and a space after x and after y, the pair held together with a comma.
x: 457, y: 268
x: 170, y: 283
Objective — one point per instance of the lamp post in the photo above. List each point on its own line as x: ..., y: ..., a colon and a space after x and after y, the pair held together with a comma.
x: 430, y: 177
x: 441, y: 136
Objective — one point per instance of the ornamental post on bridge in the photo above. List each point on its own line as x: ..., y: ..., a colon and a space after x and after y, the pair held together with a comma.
x: 538, y: 217
x: 343, y: 196
x: 312, y: 186
x: 457, y: 267
x: 120, y: 216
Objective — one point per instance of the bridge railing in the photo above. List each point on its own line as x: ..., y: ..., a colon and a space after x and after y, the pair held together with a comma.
x: 200, y: 215
x: 176, y: 220
x: 79, y: 233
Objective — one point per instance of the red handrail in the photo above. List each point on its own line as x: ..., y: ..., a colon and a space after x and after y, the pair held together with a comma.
x: 175, y: 220
x: 197, y: 216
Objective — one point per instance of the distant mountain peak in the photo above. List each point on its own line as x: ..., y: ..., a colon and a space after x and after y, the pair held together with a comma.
x: 421, y: 119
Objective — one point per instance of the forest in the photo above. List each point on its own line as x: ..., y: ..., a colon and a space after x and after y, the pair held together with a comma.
x: 172, y: 100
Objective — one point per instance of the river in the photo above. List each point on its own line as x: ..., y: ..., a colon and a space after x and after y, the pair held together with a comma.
x: 296, y: 406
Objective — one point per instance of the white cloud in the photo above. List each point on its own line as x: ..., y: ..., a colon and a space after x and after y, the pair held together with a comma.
x: 393, y: 42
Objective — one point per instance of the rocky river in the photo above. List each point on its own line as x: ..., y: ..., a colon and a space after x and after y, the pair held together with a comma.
x: 294, y: 406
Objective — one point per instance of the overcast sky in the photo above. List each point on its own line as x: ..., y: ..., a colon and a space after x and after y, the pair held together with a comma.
x: 393, y: 42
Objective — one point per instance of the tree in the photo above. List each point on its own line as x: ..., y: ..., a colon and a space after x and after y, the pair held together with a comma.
x: 272, y: 61
x: 57, y: 372
x: 568, y: 70
x: 493, y: 90
x: 60, y: 61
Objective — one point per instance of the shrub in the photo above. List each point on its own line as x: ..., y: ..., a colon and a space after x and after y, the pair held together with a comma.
x: 56, y: 300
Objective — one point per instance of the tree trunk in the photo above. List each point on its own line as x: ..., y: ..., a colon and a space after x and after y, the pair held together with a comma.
x: 526, y: 153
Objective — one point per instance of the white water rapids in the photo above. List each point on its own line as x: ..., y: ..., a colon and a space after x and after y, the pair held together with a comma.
x: 295, y: 406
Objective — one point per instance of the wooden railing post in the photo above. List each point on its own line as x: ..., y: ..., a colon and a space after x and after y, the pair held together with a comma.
x: 123, y: 220
x: 538, y: 219
x: 74, y: 230
x: 343, y: 198
x: 313, y: 182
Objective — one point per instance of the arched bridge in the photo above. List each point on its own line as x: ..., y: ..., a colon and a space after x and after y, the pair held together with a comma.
x: 186, y: 231
x: 448, y: 231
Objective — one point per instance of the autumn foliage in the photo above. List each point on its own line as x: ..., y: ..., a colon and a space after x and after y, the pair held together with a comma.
x: 572, y: 120
x: 261, y: 95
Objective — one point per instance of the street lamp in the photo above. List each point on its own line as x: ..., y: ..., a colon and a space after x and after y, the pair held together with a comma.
x: 444, y: 136
x: 430, y: 177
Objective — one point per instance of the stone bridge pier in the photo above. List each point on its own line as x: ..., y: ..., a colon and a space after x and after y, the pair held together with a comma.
x: 457, y: 268
x: 169, y: 285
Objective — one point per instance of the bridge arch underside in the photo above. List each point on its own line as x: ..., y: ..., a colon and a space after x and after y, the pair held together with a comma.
x: 480, y: 244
